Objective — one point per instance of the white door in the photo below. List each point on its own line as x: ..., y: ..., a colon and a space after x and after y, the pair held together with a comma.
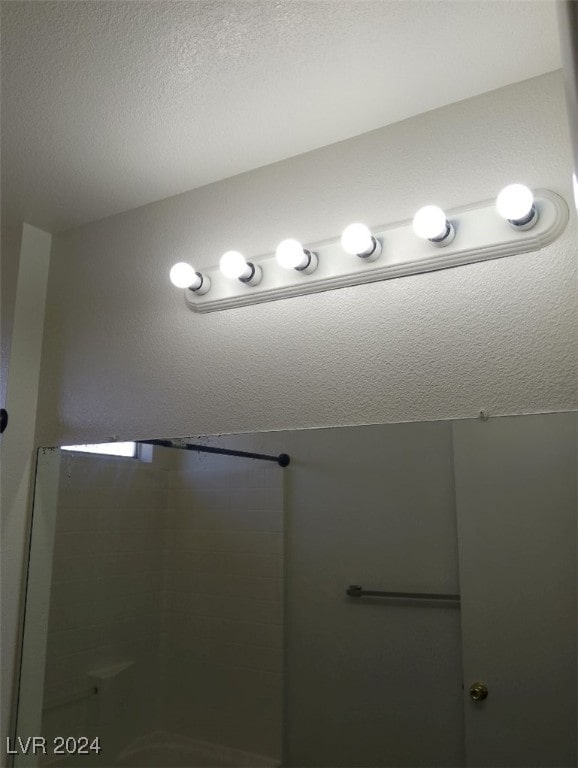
x: 516, y: 485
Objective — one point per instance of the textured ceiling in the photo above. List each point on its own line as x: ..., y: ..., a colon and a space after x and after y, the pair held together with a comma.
x: 110, y: 105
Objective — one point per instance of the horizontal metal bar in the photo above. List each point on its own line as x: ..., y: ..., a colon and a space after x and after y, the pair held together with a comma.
x: 355, y: 590
x: 61, y: 701
x: 282, y: 459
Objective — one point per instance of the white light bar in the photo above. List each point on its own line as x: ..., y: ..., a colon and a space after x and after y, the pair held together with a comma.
x: 480, y: 234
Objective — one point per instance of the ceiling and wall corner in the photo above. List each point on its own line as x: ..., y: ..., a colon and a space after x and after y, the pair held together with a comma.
x: 111, y: 105
x: 123, y: 353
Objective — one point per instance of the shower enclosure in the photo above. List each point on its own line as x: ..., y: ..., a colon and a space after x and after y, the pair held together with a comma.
x: 164, y: 633
x: 397, y: 595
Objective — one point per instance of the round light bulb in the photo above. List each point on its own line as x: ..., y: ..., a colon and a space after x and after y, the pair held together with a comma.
x: 357, y: 239
x: 430, y: 222
x: 290, y: 255
x: 515, y: 202
x: 233, y: 265
x: 182, y: 275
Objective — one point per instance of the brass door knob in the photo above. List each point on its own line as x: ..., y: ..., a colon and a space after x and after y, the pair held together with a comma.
x: 478, y: 691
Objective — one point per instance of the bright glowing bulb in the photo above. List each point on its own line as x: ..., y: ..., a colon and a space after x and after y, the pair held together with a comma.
x: 290, y: 255
x: 357, y: 239
x: 233, y: 265
x: 515, y: 202
x: 430, y: 222
x: 184, y: 276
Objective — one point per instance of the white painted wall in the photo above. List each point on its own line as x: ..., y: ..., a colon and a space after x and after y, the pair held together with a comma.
x: 124, y: 355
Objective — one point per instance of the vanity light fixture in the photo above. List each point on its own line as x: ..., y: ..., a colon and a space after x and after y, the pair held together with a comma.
x: 344, y: 261
x: 515, y: 203
x: 430, y: 223
x: 182, y: 275
x: 357, y: 240
x: 290, y: 254
x: 234, y: 266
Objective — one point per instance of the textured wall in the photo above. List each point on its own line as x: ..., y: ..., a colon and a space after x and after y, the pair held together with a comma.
x: 123, y: 355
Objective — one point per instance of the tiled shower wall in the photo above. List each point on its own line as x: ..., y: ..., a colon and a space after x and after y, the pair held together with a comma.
x: 177, y: 567
x: 223, y: 602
